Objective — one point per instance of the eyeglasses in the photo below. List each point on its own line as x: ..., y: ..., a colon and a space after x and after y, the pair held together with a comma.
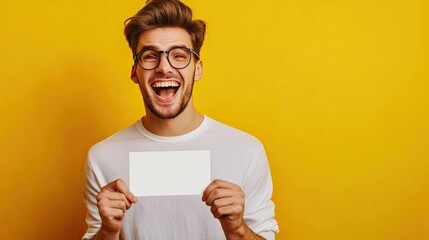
x: 178, y: 57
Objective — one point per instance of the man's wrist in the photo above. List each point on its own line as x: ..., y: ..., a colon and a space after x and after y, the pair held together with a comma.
x: 105, y: 234
x: 238, y: 233
x: 241, y: 233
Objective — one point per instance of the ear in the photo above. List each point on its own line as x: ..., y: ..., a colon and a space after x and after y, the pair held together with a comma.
x: 198, y: 70
x: 133, y: 76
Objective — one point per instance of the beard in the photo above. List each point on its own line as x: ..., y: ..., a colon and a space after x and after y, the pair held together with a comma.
x: 173, y: 111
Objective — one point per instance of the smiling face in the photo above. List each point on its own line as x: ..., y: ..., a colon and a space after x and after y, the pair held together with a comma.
x: 166, y: 91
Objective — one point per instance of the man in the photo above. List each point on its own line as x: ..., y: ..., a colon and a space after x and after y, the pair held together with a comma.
x: 237, y: 204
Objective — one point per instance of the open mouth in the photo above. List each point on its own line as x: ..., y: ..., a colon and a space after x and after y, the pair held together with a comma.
x: 165, y: 89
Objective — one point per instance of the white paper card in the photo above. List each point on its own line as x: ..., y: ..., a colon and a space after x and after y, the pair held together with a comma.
x: 169, y: 172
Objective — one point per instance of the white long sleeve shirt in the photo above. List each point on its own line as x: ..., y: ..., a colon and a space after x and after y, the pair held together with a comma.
x: 236, y: 157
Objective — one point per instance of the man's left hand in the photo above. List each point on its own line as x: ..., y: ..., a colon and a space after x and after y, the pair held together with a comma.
x: 227, y: 204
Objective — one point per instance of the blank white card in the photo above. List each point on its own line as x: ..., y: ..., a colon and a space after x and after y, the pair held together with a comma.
x: 169, y: 172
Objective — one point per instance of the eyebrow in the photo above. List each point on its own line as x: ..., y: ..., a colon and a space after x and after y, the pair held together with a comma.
x: 151, y: 47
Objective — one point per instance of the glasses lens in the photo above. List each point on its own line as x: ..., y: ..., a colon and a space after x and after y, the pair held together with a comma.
x: 148, y: 59
x: 179, y: 57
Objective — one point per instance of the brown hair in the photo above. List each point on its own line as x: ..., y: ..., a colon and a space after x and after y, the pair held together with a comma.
x: 164, y: 13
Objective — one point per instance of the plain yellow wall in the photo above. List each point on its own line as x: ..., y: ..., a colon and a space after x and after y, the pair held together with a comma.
x: 338, y: 92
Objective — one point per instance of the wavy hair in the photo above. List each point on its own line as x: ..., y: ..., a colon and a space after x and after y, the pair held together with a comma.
x: 164, y: 13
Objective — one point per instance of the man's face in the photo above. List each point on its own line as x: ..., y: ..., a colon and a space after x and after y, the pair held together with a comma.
x: 166, y: 91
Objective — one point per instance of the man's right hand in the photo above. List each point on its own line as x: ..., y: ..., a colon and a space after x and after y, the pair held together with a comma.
x: 112, y: 202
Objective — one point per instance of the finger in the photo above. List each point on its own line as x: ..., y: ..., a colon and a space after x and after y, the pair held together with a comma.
x: 115, y: 204
x: 220, y: 193
x: 230, y: 210
x: 109, y: 214
x: 218, y: 203
x: 114, y: 196
x: 224, y: 202
x: 120, y: 186
x: 217, y: 183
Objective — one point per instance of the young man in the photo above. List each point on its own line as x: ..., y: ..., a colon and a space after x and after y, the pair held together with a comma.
x: 237, y: 204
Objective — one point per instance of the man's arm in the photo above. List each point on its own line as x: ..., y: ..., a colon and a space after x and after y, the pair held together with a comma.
x: 227, y: 204
x: 112, y: 202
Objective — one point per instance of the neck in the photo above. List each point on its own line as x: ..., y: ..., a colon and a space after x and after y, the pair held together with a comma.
x: 185, y: 122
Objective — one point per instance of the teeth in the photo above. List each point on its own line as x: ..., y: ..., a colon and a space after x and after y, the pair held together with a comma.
x: 165, y: 84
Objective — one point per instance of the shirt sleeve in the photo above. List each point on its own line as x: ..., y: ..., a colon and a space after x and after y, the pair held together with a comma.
x: 91, y: 188
x: 258, y: 188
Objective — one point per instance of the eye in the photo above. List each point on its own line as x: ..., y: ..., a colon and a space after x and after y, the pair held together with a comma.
x: 148, y: 56
x: 179, y: 54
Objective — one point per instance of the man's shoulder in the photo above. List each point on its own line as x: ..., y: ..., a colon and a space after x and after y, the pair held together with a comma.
x: 121, y: 137
x: 230, y: 133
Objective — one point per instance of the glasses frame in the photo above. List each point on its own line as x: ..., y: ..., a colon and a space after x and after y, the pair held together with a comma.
x: 137, y: 57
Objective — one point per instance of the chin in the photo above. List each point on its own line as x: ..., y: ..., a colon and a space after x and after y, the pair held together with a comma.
x: 167, y: 114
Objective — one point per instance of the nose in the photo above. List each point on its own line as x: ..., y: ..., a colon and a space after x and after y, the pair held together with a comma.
x: 164, y: 65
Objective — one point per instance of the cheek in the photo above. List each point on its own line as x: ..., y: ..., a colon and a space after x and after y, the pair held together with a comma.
x: 188, y: 76
x: 143, y: 77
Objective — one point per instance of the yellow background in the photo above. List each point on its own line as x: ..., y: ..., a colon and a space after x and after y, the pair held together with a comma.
x: 336, y: 90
